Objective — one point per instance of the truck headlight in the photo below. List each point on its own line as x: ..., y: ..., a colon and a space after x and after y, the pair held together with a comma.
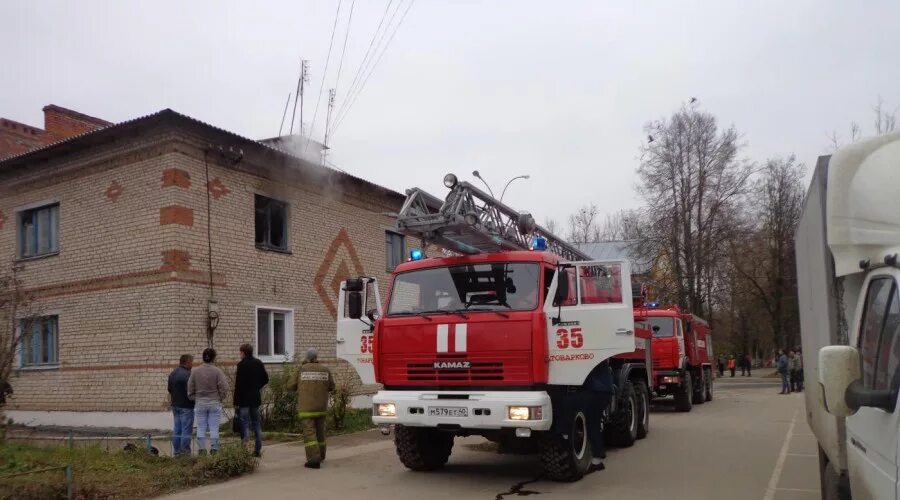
x: 525, y: 412
x: 386, y: 409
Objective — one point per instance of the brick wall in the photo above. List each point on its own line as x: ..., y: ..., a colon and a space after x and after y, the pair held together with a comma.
x: 131, y: 281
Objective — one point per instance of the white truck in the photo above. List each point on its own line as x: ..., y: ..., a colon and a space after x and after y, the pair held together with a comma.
x: 847, y: 246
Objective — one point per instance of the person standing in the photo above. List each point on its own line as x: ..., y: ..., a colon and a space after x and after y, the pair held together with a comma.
x: 721, y: 365
x: 250, y: 378
x: 600, y: 389
x: 748, y: 362
x: 208, y: 387
x: 782, y: 365
x: 794, y: 365
x: 313, y: 383
x: 800, y: 370
x: 742, y: 362
x: 731, y: 364
x: 182, y: 406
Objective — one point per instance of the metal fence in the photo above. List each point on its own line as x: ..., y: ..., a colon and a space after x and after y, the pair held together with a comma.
x: 67, y: 471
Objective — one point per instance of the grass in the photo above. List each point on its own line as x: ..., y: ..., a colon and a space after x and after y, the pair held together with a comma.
x: 356, y: 420
x: 99, y: 474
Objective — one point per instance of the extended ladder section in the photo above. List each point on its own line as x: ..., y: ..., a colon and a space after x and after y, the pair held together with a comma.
x: 470, y: 221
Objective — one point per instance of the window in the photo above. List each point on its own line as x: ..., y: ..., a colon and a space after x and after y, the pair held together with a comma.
x: 394, y: 249
x: 600, y: 284
x: 39, y: 231
x: 871, y: 326
x: 274, y: 334
x: 887, y: 356
x: 481, y: 287
x: 662, y: 326
x: 40, y: 341
x: 271, y: 224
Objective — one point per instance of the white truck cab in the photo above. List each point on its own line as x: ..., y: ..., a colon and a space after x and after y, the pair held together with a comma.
x: 847, y: 245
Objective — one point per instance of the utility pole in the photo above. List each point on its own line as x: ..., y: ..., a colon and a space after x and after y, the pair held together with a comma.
x: 301, y: 83
x: 331, y: 94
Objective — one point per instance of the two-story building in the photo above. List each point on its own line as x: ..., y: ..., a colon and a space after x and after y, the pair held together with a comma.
x: 151, y: 238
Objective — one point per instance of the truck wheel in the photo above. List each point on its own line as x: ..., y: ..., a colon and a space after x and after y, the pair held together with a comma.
x: 698, y: 396
x: 683, y: 396
x: 422, y: 449
x: 709, y: 385
x: 643, y: 395
x: 567, y: 459
x: 623, y: 428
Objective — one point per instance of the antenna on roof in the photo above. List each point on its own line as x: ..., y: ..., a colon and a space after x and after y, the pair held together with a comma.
x: 284, y: 115
x: 304, y: 77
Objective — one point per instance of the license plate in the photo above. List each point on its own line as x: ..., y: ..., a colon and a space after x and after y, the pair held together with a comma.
x: 447, y: 411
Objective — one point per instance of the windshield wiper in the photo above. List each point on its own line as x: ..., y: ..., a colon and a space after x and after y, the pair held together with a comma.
x: 411, y: 313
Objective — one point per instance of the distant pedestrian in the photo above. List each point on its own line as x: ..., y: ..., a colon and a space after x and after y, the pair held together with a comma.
x: 748, y: 362
x: 796, y: 365
x: 208, y: 387
x: 313, y: 383
x: 250, y: 378
x: 182, y: 406
x: 783, y: 366
x: 721, y: 365
x: 742, y: 362
x: 731, y: 364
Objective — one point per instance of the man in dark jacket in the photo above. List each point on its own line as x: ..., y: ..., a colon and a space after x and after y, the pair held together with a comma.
x: 251, y: 377
x: 182, y: 406
x: 600, y: 390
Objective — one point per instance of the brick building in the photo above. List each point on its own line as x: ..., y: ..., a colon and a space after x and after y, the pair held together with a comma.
x: 129, y: 234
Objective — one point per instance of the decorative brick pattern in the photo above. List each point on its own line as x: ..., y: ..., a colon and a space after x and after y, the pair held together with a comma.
x: 114, y: 191
x: 175, y: 177
x: 342, y: 241
x: 175, y: 260
x: 176, y: 215
x: 217, y: 189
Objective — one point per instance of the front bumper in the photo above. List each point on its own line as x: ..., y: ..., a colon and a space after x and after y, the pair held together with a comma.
x: 486, y: 410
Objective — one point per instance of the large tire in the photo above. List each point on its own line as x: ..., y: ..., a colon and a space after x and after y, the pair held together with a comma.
x: 683, y: 397
x: 698, y: 397
x: 567, y: 458
x: 643, y: 394
x: 422, y: 449
x: 623, y: 425
x: 709, y: 385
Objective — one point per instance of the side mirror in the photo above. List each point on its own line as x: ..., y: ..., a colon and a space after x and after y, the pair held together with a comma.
x: 838, y: 370
x: 562, y: 286
x: 372, y: 314
x: 354, y: 305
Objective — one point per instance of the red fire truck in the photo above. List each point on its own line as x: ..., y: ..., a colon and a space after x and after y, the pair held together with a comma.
x: 496, y: 340
x: 682, y: 354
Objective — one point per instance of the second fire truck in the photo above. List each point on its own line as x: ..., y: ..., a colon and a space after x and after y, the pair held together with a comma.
x: 497, y: 339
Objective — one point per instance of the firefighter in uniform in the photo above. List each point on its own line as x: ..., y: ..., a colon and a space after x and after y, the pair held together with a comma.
x: 313, y: 384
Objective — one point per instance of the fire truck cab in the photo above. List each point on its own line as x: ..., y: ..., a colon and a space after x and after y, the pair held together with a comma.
x: 682, y: 354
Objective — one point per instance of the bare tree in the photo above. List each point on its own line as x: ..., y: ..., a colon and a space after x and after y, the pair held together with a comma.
x: 769, y: 276
x: 583, y: 225
x: 551, y: 225
x: 16, y: 306
x: 692, y: 181
x: 622, y: 225
x: 884, y: 121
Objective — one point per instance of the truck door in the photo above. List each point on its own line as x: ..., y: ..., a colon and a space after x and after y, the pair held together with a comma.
x: 595, y: 321
x: 872, y: 432
x: 356, y: 337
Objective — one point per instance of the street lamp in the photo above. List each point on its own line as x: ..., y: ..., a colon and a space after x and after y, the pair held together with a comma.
x: 476, y: 174
x: 510, y: 182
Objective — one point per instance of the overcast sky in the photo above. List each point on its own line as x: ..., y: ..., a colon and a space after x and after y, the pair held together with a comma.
x: 557, y: 90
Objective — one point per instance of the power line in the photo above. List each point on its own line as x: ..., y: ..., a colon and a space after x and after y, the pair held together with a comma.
x: 284, y: 115
x: 312, y: 127
x: 366, y: 65
x: 365, y: 58
x: 362, y: 87
x: 337, y: 80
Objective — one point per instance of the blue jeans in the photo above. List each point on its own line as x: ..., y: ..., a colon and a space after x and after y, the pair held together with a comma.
x: 182, y: 430
x: 250, y: 415
x: 208, y: 417
x: 785, y: 384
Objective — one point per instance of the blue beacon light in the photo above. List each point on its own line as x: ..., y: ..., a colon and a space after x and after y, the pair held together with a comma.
x: 415, y: 254
x: 539, y: 243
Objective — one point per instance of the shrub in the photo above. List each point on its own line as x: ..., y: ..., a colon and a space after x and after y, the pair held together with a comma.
x: 340, y: 403
x: 279, y: 409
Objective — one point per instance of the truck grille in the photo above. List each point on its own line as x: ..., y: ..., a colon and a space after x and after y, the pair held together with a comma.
x: 478, y: 371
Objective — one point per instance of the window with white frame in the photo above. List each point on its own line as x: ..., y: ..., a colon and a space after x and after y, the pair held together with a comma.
x: 39, y: 231
x: 39, y: 345
x: 274, y: 334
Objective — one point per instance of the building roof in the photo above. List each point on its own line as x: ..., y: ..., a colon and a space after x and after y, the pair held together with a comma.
x: 168, y: 117
x: 616, y: 250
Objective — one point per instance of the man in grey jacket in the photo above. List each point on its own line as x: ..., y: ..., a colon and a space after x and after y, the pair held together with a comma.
x: 208, y: 387
x: 782, y: 367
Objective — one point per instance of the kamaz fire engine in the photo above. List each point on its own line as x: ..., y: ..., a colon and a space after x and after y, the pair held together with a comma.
x: 497, y: 338
x: 682, y: 354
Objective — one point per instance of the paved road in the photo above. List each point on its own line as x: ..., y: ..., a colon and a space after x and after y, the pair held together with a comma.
x: 749, y: 443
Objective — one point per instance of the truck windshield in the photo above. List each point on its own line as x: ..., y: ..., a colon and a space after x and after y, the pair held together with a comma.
x: 481, y: 287
x: 666, y: 326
